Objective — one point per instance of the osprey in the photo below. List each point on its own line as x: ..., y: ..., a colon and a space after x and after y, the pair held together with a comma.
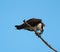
x: 37, y: 24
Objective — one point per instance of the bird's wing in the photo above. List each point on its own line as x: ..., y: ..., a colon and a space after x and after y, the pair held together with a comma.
x: 33, y: 21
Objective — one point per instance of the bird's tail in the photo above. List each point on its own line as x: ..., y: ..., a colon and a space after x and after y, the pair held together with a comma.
x: 18, y: 27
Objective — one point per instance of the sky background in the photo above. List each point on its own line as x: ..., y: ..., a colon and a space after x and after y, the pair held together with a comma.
x: 13, y: 12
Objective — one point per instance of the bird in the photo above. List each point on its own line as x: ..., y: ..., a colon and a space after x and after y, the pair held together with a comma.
x: 37, y: 24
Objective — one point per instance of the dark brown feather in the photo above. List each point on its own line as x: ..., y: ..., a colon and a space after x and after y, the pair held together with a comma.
x: 33, y: 22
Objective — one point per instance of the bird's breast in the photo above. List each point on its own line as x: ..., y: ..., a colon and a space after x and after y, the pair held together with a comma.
x: 40, y: 26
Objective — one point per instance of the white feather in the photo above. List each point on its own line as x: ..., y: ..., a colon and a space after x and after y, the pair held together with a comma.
x: 39, y: 26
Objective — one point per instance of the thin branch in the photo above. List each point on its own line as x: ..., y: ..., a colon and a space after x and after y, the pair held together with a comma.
x: 47, y: 44
x: 39, y: 35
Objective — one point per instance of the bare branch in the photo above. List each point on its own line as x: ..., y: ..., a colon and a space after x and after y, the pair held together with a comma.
x: 39, y: 35
x: 47, y: 44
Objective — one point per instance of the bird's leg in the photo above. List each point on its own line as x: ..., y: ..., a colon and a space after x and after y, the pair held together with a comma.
x: 37, y: 33
x: 41, y: 32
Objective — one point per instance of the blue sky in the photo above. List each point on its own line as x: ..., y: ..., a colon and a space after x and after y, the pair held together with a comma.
x: 13, y: 12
